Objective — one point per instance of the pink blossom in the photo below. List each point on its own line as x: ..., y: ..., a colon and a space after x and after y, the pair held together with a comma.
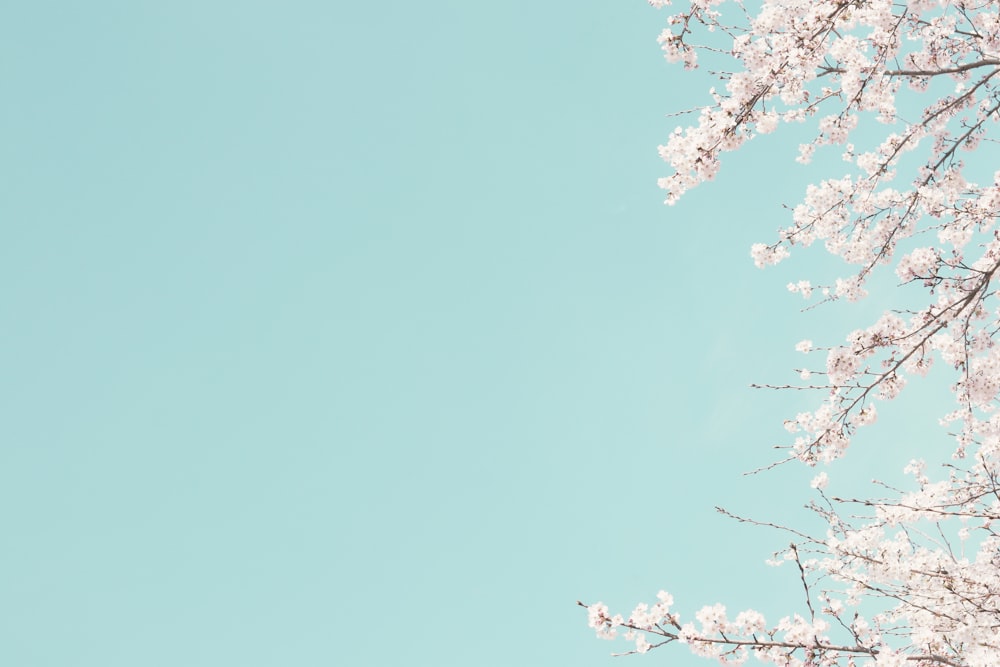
x: 901, y: 92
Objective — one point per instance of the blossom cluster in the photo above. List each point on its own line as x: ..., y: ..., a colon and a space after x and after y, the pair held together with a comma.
x: 839, y: 61
x: 912, y: 579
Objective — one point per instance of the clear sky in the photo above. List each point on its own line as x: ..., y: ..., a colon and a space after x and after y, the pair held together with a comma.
x: 357, y: 334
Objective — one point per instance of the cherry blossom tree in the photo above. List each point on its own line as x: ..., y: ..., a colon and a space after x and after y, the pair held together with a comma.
x: 903, y: 91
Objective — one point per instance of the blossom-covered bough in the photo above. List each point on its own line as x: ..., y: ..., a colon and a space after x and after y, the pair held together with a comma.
x: 906, y: 93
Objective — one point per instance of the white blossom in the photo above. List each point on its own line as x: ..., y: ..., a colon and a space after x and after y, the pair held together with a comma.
x: 898, y: 92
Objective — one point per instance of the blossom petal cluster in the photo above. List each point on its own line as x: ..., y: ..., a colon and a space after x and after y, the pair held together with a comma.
x: 907, y: 94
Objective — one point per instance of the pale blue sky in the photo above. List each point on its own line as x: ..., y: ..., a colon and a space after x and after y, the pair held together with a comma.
x: 357, y: 334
